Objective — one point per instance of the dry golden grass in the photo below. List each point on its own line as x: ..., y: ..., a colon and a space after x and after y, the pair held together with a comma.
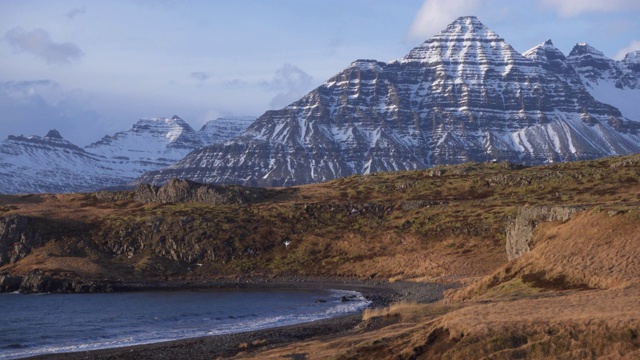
x: 403, y: 309
x: 575, y: 295
x: 44, y: 259
x: 594, y: 250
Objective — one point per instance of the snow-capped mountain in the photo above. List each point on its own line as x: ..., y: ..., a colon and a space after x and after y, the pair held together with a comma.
x: 37, y: 164
x: 222, y: 129
x: 614, y: 82
x: 463, y: 95
x: 149, y: 144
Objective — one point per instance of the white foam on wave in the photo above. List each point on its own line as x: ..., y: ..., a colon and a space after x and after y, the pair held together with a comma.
x: 337, y: 308
x: 334, y: 307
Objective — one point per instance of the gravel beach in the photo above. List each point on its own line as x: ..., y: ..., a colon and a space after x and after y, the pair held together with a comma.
x: 224, y: 346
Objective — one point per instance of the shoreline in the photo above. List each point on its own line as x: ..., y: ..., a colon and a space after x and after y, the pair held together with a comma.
x: 379, y: 293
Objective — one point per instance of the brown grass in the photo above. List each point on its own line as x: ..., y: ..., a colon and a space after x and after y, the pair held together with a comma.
x: 404, y: 309
x: 594, y: 250
x: 575, y: 295
x: 43, y: 259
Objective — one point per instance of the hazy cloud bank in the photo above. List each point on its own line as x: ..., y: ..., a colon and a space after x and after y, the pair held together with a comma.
x: 200, y: 75
x: 291, y: 83
x: 578, y: 7
x: 38, y: 43
x: 41, y: 105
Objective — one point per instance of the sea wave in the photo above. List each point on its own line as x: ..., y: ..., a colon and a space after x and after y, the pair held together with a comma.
x: 191, y: 324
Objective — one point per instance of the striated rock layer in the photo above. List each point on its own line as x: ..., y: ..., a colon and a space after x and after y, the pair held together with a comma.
x: 463, y: 95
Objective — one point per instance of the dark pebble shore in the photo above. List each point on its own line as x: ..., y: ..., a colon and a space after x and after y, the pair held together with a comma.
x: 211, y: 347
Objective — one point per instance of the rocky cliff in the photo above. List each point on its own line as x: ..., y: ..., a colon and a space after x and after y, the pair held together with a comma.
x: 520, y: 230
x: 18, y: 235
x: 180, y: 191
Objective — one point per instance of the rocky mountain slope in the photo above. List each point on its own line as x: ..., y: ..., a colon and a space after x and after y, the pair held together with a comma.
x: 52, y: 164
x: 614, y: 82
x: 463, y: 95
x: 37, y: 164
x: 149, y: 144
x: 222, y: 129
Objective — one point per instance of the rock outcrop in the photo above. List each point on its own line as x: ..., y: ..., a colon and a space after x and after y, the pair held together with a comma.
x: 18, y: 236
x: 38, y: 282
x: 520, y: 230
x: 179, y: 191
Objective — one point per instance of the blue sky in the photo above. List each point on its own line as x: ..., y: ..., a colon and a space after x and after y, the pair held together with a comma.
x: 91, y: 68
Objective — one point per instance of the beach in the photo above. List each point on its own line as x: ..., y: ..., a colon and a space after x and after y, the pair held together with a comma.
x: 223, y: 346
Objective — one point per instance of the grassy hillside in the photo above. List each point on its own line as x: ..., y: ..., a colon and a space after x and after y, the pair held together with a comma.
x: 574, y: 295
x: 434, y: 224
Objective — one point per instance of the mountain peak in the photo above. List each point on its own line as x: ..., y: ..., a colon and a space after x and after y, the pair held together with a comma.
x: 468, y: 21
x: 53, y: 134
x: 632, y: 57
x: 467, y: 27
x: 582, y: 49
x: 176, y: 117
x: 365, y: 64
x: 545, y: 52
x: 465, y: 41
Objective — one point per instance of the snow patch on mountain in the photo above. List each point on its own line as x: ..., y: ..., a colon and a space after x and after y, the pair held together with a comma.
x: 149, y: 144
x: 223, y: 129
x: 37, y: 164
x: 626, y: 100
x: 610, y: 81
x: 463, y: 95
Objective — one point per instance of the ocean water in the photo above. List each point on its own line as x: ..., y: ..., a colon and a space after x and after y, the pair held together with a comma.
x: 57, y: 323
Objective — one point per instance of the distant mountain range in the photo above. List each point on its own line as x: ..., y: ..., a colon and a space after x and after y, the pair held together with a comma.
x: 37, y: 164
x: 463, y: 95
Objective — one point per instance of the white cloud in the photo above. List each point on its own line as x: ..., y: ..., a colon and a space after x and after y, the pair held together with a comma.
x: 291, y: 82
x: 633, y: 46
x: 35, y: 107
x: 435, y: 15
x: 38, y: 43
x: 576, y: 7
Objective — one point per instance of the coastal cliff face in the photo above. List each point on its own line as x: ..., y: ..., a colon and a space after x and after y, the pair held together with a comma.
x: 18, y: 235
x: 22, y: 235
x: 520, y: 230
x: 39, y: 282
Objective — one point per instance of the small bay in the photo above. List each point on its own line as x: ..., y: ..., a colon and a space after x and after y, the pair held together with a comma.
x: 57, y: 323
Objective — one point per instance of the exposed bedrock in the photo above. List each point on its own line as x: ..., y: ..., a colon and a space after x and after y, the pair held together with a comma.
x: 178, y: 191
x: 18, y: 235
x: 520, y: 230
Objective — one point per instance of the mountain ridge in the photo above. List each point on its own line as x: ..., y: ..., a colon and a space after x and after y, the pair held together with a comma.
x: 51, y: 163
x: 463, y: 95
